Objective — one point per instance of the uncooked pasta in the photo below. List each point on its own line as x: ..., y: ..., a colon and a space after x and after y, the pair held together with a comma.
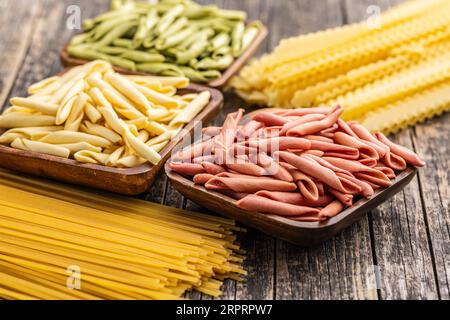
x: 372, y: 72
x: 303, y: 164
x: 123, y: 248
x: 94, y: 115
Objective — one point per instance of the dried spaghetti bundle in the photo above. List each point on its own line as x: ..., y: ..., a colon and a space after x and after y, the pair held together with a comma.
x: 122, y: 248
x: 305, y: 165
x: 370, y: 71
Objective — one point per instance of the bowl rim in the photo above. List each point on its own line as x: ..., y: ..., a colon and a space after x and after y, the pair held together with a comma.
x: 406, y: 174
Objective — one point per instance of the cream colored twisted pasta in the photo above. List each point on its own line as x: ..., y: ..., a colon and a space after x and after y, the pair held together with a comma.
x: 95, y: 115
x: 369, y: 71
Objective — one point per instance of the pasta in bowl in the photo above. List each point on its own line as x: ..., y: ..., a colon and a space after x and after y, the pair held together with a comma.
x: 301, y: 175
x: 182, y: 38
x: 90, y: 119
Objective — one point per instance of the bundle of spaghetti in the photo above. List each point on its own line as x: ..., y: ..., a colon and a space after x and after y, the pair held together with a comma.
x: 122, y: 248
x: 350, y: 64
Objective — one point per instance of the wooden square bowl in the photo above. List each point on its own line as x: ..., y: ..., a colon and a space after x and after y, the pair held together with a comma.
x: 238, y: 63
x: 297, y: 232
x: 127, y: 181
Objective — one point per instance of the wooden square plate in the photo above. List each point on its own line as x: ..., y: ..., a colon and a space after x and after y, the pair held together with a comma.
x: 128, y: 181
x: 69, y: 61
x: 297, y: 232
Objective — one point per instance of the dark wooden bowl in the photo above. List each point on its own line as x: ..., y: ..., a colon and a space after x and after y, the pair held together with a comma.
x: 128, y: 181
x: 297, y: 232
x: 69, y: 61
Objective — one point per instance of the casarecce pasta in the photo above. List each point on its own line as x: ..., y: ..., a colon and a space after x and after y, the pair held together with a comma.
x: 95, y: 115
x: 387, y: 78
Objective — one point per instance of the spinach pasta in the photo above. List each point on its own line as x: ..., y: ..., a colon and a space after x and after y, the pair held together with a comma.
x: 173, y: 38
x: 124, y: 248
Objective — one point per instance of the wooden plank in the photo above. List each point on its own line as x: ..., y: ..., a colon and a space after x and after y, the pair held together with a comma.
x: 341, y: 268
x: 432, y: 142
x: 402, y: 241
x: 16, y: 30
x: 257, y: 10
x: 157, y: 190
x: 50, y: 33
x: 291, y: 18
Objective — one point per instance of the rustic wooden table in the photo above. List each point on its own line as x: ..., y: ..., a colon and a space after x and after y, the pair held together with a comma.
x: 399, y: 251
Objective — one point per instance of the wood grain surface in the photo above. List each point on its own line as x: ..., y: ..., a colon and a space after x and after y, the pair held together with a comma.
x: 400, y: 251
